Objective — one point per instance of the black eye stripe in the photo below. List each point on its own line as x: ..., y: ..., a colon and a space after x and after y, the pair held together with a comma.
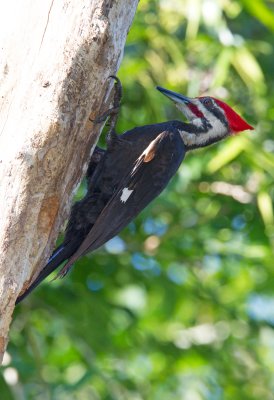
x: 218, y: 114
x: 213, y: 108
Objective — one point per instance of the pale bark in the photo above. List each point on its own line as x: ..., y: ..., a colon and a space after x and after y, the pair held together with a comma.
x: 55, y: 60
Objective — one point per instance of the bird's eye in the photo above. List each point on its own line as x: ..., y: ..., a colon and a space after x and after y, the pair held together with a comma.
x: 207, y: 102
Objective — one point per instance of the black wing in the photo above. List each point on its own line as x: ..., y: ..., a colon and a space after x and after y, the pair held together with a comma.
x: 147, y: 179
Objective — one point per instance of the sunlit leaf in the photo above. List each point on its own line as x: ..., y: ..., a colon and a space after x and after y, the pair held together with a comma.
x: 249, y: 69
x: 266, y: 208
x: 260, y: 11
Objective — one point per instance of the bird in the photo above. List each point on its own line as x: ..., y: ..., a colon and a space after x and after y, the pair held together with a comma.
x: 134, y: 169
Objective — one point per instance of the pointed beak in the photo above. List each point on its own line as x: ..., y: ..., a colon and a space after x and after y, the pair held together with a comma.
x: 177, y: 97
x: 185, y: 104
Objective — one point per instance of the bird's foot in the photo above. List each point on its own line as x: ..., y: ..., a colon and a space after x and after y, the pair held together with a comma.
x: 112, y: 113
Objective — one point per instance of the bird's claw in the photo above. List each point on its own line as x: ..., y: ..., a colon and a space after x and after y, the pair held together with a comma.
x: 114, y: 110
x: 112, y: 113
x: 118, y: 93
x: 109, y: 113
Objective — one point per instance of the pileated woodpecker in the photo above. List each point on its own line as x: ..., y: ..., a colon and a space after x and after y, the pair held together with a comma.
x: 135, y: 169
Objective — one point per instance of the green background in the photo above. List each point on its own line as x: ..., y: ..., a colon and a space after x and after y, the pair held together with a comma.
x: 181, y: 305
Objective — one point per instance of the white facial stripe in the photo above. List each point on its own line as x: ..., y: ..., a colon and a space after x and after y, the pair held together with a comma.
x: 125, y: 194
x: 193, y: 140
x: 216, y: 131
x: 198, y: 122
x: 218, y: 128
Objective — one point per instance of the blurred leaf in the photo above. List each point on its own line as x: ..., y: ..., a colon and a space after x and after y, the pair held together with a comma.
x: 260, y: 11
x: 222, y: 66
x: 266, y: 208
x: 229, y: 152
x: 249, y: 69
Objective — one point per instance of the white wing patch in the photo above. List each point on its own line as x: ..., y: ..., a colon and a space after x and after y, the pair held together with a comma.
x: 125, y: 194
x: 147, y: 154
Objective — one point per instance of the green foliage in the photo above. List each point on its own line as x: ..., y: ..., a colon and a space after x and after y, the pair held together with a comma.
x: 181, y: 305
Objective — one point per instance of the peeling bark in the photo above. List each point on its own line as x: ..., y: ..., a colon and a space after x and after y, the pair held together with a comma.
x: 55, y: 60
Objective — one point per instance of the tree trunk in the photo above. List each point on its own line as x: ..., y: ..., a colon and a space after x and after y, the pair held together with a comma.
x: 56, y: 57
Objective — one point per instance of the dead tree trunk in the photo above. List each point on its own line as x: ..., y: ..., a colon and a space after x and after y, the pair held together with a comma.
x: 55, y: 60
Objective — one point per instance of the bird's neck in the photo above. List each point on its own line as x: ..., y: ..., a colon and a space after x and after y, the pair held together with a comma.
x: 201, y: 133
